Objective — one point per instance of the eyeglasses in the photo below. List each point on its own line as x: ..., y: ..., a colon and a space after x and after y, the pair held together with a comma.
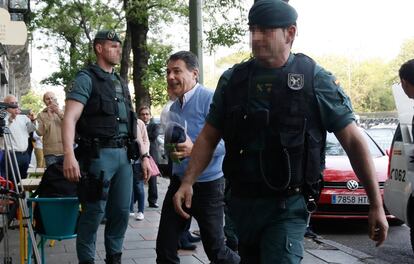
x: 144, y: 114
x: 13, y: 103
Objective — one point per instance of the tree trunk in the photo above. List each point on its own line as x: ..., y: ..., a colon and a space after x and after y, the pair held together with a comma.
x: 126, y: 52
x: 140, y: 53
x: 136, y: 40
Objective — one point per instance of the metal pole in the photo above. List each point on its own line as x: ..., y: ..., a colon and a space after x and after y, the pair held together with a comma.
x: 196, y: 34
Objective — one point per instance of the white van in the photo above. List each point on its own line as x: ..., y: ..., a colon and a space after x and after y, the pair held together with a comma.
x: 398, y: 190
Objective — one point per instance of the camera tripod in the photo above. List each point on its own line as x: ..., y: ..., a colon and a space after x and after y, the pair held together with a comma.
x: 18, y: 194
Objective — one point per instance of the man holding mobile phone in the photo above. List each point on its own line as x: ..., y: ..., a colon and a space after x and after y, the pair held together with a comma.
x: 50, y: 127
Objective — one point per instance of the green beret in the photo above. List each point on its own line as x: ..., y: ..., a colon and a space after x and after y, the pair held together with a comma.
x: 107, y: 35
x: 272, y: 14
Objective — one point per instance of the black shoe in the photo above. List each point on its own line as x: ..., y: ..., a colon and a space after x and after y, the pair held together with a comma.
x: 233, y: 245
x: 193, y: 239
x: 187, y: 246
x: 310, y: 234
x: 113, y: 259
x: 153, y: 205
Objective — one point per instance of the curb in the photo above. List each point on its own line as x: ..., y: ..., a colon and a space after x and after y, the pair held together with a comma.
x: 349, y: 252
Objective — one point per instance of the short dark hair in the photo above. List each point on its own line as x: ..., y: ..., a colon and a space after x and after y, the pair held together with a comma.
x: 96, y: 42
x: 406, y: 71
x: 144, y: 107
x: 188, y: 57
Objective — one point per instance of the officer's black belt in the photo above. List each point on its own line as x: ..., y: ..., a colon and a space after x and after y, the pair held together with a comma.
x: 261, y: 190
x: 103, y: 142
x: 113, y: 143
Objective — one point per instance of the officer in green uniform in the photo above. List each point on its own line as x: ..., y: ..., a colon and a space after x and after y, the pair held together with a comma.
x: 273, y: 112
x: 99, y: 112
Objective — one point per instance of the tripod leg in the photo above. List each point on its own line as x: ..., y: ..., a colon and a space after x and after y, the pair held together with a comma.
x: 10, y: 160
x: 5, y: 219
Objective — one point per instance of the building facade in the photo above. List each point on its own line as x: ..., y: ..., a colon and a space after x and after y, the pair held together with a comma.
x: 15, y: 66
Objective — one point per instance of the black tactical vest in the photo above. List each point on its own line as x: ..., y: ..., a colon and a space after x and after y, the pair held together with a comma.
x: 100, y: 116
x: 270, y: 151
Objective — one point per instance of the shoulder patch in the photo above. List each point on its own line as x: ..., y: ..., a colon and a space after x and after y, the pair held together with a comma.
x: 70, y: 87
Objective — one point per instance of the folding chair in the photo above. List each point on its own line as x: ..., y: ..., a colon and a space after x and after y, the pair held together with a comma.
x: 59, y: 218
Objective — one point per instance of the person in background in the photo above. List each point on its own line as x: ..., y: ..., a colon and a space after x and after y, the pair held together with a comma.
x: 191, y: 106
x: 186, y: 238
x: 273, y: 112
x: 139, y: 176
x: 153, y: 130
x: 20, y: 127
x: 406, y: 74
x: 99, y: 111
x: 50, y: 128
x: 38, y: 150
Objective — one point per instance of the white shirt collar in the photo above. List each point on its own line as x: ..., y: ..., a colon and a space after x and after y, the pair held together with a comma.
x: 189, y: 94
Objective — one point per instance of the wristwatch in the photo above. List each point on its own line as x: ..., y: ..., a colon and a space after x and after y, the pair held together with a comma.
x: 145, y: 155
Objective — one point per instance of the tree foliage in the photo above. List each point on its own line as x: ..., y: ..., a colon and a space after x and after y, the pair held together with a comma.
x: 32, y: 101
x: 365, y: 82
x: 224, y: 20
x: 69, y: 26
x: 145, y: 15
x: 406, y: 53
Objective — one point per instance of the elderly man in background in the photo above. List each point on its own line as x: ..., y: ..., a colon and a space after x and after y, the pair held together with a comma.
x: 20, y: 126
x: 50, y: 127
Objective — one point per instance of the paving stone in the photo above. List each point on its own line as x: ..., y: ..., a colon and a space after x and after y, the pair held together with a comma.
x: 334, y: 256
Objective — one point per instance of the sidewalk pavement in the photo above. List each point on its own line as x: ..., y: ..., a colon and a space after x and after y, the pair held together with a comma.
x: 139, y: 245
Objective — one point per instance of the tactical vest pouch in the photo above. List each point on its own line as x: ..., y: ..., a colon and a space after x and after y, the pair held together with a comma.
x: 87, y: 149
x: 293, y: 148
x: 91, y: 188
x: 242, y: 128
x: 107, y: 105
x: 244, y: 141
x: 315, y: 142
x: 234, y: 120
x: 281, y: 166
x: 242, y: 165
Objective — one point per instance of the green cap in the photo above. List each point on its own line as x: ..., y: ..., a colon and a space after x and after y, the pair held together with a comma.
x: 108, y: 35
x: 272, y: 14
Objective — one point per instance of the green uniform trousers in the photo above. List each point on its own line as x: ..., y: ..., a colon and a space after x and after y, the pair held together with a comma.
x: 270, y: 230
x: 117, y: 171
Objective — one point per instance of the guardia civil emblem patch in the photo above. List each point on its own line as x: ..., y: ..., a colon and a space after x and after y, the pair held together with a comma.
x: 111, y: 35
x: 70, y: 87
x: 296, y: 81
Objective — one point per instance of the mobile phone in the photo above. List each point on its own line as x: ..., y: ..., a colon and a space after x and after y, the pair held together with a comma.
x: 25, y: 111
